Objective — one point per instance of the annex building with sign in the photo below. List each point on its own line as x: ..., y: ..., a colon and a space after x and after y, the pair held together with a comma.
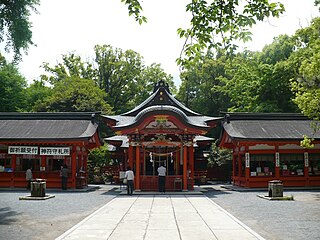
x: 45, y: 142
x: 266, y: 146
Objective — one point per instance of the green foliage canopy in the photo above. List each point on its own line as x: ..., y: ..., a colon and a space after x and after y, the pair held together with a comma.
x: 15, y: 27
x: 12, y: 84
x: 74, y: 95
x: 307, y: 59
x: 219, y: 156
x: 121, y: 75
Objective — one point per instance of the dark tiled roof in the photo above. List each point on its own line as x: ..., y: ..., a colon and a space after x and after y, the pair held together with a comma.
x: 197, y: 121
x: 51, y: 126
x: 269, y: 126
x: 161, y: 102
x: 167, y: 99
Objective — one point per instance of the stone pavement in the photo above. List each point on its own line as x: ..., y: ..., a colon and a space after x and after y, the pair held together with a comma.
x: 162, y: 217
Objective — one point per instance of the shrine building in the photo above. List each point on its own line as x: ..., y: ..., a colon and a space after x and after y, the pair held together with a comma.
x: 44, y: 142
x: 161, y: 130
x: 266, y: 146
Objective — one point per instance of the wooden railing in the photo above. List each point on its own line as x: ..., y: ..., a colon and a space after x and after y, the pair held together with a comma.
x: 173, y: 183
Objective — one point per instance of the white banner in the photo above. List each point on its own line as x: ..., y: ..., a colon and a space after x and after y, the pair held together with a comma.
x: 247, y: 155
x: 54, y: 151
x: 277, y: 159
x: 22, y: 150
x: 306, y: 159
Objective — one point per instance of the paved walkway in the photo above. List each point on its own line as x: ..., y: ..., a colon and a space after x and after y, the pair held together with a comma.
x: 173, y: 217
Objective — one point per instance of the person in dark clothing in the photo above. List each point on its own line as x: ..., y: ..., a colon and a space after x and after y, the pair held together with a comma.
x: 64, y: 177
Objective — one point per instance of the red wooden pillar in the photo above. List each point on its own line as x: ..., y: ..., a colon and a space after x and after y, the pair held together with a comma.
x: 13, y: 165
x: 191, y: 165
x: 185, y: 180
x: 130, y: 156
x: 234, y: 159
x: 137, y: 188
x: 73, y: 166
x: 239, y: 165
x: 177, y: 162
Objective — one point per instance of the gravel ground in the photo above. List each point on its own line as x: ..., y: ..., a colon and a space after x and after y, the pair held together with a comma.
x: 47, y: 219
x: 274, y: 220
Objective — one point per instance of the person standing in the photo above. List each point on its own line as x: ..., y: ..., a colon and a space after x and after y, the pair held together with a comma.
x: 129, y: 175
x: 29, y: 177
x: 162, y: 178
x: 64, y: 177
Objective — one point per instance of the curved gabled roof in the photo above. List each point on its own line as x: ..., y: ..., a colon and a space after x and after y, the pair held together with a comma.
x: 161, y: 102
x: 195, y: 121
x: 161, y: 97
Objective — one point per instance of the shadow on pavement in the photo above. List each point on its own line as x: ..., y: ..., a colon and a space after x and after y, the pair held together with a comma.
x: 7, y: 216
x: 212, y: 193
x: 112, y: 192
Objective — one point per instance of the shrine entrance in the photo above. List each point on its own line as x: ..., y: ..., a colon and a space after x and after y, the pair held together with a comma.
x: 157, y: 156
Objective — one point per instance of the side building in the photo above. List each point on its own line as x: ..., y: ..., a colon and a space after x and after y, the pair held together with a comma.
x: 267, y: 147
x: 45, y: 142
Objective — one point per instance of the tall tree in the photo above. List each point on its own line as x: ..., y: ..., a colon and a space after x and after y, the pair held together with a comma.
x: 35, y: 94
x: 15, y: 27
x: 150, y: 76
x: 12, y: 85
x: 122, y: 75
x: 119, y: 75
x: 203, y: 84
x: 307, y: 59
x: 70, y: 66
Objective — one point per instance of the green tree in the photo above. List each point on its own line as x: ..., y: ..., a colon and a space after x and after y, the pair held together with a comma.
x: 119, y: 76
x: 15, y: 27
x: 97, y: 159
x: 74, y: 94
x: 12, y: 85
x: 203, y: 84
x: 36, y: 93
x: 307, y: 59
x: 219, y: 156
x: 150, y: 76
x: 261, y: 82
x: 122, y: 75
x: 71, y: 66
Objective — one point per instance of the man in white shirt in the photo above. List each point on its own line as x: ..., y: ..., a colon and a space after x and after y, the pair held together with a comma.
x: 162, y: 178
x: 130, y: 178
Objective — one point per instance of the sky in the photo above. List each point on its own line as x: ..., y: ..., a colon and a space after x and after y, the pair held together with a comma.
x: 76, y: 26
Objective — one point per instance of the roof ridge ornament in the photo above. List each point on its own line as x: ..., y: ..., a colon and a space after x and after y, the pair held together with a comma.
x: 161, y: 84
